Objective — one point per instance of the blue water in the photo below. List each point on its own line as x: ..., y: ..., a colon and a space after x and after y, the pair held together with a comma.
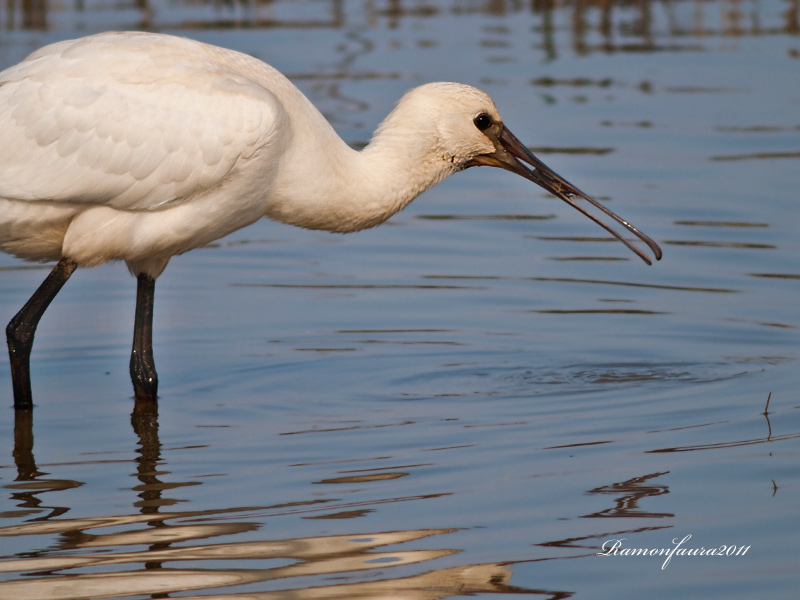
x: 473, y: 398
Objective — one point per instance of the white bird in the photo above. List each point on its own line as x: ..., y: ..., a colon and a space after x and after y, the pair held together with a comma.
x: 141, y: 146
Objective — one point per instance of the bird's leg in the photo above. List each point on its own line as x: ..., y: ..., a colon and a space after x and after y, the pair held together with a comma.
x: 20, y: 331
x: 143, y: 367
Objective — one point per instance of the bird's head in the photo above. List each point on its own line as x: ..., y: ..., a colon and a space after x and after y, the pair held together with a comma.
x: 443, y: 117
x: 464, y: 129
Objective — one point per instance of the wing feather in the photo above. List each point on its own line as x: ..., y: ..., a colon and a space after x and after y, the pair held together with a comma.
x: 130, y: 121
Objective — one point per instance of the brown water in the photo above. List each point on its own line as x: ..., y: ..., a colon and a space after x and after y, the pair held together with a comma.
x: 473, y: 399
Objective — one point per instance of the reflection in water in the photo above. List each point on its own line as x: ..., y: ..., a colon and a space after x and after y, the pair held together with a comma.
x: 738, y: 245
x: 776, y: 275
x: 599, y: 311
x: 33, y: 15
x: 756, y: 156
x: 769, y: 437
x: 623, y: 26
x: 590, y: 544
x: 633, y: 284
x: 86, y: 563
x: 31, y: 481
x: 636, y: 285
x: 144, y: 420
x: 628, y: 494
x: 721, y: 224
x: 171, y: 537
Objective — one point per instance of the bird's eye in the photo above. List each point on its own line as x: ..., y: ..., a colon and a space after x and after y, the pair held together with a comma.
x: 482, y: 121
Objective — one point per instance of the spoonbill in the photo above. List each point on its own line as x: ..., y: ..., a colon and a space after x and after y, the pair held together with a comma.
x: 140, y: 146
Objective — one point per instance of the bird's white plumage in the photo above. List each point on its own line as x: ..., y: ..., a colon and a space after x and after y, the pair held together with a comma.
x: 127, y: 124
x: 137, y: 147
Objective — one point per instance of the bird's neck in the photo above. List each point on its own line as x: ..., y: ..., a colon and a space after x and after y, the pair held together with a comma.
x: 333, y: 187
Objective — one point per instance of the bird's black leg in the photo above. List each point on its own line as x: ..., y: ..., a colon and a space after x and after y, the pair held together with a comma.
x: 20, y: 331
x: 143, y: 367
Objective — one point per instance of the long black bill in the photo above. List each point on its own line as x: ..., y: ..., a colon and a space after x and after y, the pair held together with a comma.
x: 514, y: 153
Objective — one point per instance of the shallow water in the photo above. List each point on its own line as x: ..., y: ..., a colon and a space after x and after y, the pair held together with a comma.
x: 474, y: 398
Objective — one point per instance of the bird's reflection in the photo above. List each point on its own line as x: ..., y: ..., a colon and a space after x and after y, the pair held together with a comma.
x: 97, y: 545
x: 150, y: 466
x: 144, y: 420
x: 23, y: 446
x: 30, y: 483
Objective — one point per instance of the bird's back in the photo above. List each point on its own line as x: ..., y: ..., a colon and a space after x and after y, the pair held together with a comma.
x: 134, y: 122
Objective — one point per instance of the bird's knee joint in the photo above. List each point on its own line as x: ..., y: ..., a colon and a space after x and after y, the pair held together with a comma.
x: 19, y: 334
